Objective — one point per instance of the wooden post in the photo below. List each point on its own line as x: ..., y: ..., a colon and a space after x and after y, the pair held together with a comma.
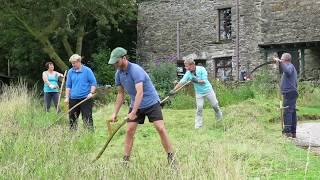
x: 178, y: 41
x: 9, y: 73
x: 61, y: 89
x: 302, y: 65
x: 238, y: 40
x: 281, y: 114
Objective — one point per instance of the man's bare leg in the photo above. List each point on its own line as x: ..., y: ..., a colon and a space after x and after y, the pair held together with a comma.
x: 159, y: 125
x: 131, y: 129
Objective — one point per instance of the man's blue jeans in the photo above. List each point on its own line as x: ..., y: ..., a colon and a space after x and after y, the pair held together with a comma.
x: 290, y: 117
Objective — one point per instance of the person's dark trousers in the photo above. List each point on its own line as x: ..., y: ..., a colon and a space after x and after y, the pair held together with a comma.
x: 86, y: 111
x: 290, y: 117
x: 51, y: 96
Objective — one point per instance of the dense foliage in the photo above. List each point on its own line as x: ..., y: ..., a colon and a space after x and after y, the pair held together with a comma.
x: 36, y: 31
x: 163, y: 76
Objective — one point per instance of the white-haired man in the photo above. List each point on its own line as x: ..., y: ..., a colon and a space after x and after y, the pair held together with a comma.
x: 81, y: 84
x: 199, y: 77
x: 289, y: 91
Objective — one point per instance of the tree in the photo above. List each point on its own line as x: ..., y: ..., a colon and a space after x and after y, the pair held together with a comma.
x: 65, y: 23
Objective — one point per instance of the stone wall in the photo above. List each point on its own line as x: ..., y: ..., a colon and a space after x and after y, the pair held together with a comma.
x: 261, y: 22
x: 157, y: 27
x: 290, y: 21
x: 250, y: 34
x: 312, y: 63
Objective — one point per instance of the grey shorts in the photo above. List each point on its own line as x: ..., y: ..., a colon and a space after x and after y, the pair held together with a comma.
x: 153, y: 112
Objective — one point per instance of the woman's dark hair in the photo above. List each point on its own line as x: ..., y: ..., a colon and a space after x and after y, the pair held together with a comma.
x: 47, y: 64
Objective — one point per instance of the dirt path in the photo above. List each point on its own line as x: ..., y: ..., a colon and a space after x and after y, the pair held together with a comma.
x: 309, y: 133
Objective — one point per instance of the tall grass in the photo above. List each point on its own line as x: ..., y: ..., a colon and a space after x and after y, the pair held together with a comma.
x: 244, y: 145
x: 309, y: 94
x: 226, y: 94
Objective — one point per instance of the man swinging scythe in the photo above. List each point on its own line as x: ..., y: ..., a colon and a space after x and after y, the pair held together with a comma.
x: 145, y: 101
x: 112, y: 132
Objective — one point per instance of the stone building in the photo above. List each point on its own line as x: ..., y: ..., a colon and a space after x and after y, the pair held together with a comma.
x: 230, y: 36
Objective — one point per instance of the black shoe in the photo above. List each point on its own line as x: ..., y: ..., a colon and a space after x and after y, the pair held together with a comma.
x: 125, y: 161
x: 293, y: 135
x: 288, y: 135
x: 172, y: 160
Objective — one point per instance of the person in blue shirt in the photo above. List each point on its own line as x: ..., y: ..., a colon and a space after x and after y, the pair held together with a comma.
x: 289, y: 84
x: 144, y: 101
x: 51, y: 87
x: 199, y: 77
x: 81, y: 84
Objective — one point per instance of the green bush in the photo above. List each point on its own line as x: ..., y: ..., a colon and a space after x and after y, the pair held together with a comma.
x: 266, y: 84
x: 232, y: 92
x: 103, y: 71
x: 181, y: 101
x: 163, y: 75
x: 309, y: 94
x: 106, y: 96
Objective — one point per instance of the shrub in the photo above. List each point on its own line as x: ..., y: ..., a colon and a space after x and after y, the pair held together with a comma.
x: 309, y: 94
x: 232, y: 92
x: 103, y: 71
x: 163, y: 75
x: 266, y: 84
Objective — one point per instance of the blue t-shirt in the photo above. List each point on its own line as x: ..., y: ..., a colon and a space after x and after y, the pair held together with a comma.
x: 130, y: 77
x: 289, y: 78
x: 201, y: 74
x: 53, y: 79
x: 80, y: 82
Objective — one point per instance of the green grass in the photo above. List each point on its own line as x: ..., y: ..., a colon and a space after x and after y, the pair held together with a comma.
x: 245, y: 145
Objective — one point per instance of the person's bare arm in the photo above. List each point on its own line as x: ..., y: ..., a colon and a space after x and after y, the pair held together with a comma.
x: 67, y: 95
x: 67, y: 92
x: 118, y: 103
x: 45, y: 78
x: 138, y: 98
x: 93, y: 89
x: 177, y: 86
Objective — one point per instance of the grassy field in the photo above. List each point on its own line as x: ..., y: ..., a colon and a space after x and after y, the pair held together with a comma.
x: 247, y: 144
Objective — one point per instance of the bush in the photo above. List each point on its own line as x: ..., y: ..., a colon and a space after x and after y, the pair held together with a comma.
x: 309, y: 94
x: 106, y: 96
x: 163, y: 76
x: 266, y: 84
x: 103, y: 71
x: 232, y: 92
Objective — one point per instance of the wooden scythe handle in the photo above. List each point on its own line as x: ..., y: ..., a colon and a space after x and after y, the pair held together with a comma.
x: 109, y: 139
x: 61, y: 89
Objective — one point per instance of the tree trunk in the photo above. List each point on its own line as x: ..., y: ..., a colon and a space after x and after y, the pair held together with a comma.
x: 66, y: 45
x: 48, y: 48
x: 80, y: 36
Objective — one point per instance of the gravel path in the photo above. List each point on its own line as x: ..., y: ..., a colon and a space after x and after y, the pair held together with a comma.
x: 308, y: 133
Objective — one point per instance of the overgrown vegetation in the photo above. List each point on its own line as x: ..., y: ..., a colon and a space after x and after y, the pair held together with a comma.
x: 163, y: 76
x: 227, y: 94
x: 34, y: 32
x: 244, y: 145
x: 104, y: 72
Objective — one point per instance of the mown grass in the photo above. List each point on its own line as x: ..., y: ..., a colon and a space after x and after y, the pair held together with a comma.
x: 244, y: 145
